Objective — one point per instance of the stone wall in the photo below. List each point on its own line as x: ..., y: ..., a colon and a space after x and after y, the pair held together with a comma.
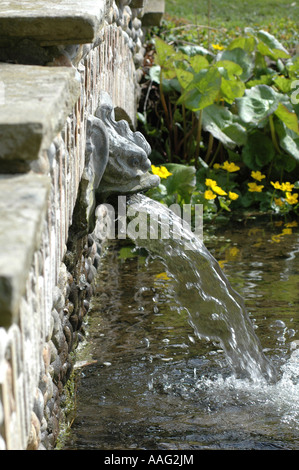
x: 55, y: 59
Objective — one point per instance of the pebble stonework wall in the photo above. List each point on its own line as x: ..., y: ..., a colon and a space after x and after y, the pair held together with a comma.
x: 55, y: 59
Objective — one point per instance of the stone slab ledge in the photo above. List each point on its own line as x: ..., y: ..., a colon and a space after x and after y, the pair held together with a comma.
x: 52, y: 22
x: 35, y: 102
x: 23, y: 205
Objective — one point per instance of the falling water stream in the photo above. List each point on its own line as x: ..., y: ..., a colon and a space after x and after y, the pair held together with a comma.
x: 176, y: 359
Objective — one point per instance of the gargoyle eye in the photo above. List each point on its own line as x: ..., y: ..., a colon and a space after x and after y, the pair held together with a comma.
x: 134, y: 161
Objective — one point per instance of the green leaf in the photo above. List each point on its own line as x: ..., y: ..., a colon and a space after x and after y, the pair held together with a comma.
x: 231, y: 67
x: 232, y: 89
x: 289, y: 141
x: 219, y: 121
x: 285, y: 162
x: 263, y: 80
x: 246, y: 43
x: 193, y: 49
x: 270, y: 46
x: 164, y: 52
x: 198, y: 62
x: 224, y: 203
x: 184, y: 77
x: 166, y: 56
x: 259, y: 103
x: 236, y: 133
x: 240, y: 57
x: 258, y: 151
x: 203, y: 90
x: 284, y: 84
x: 155, y: 73
x: 181, y: 182
x: 288, y: 117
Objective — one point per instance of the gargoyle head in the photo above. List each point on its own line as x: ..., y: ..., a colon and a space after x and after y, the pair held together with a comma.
x: 128, y: 164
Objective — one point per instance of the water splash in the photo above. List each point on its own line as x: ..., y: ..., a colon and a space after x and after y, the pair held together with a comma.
x: 216, y: 311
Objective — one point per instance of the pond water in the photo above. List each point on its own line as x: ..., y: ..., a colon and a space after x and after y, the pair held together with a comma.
x: 152, y: 383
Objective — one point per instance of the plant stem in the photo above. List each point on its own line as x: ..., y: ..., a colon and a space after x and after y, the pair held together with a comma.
x: 185, y: 129
x: 209, y: 22
x: 215, y: 154
x: 198, y: 137
x: 210, y: 146
x: 273, y: 134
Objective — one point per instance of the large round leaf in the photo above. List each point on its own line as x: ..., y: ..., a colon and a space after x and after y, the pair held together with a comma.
x: 220, y: 122
x: 258, y: 103
x: 240, y: 57
x: 258, y: 151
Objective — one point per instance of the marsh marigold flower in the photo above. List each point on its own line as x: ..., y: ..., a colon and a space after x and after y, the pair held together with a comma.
x: 292, y: 198
x: 218, y: 47
x: 255, y: 188
x: 287, y: 186
x: 278, y: 202
x: 214, y: 186
x: 209, y: 195
x: 209, y: 182
x: 219, y: 190
x: 257, y: 175
x: 230, y: 167
x: 233, y: 196
x: 161, y: 171
x: 276, y: 185
x: 292, y: 224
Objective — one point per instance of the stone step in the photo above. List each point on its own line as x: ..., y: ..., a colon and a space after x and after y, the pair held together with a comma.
x: 34, y: 104
x: 51, y: 22
x: 23, y: 204
x: 153, y: 12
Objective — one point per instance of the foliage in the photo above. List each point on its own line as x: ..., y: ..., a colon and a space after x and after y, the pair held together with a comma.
x: 236, y: 105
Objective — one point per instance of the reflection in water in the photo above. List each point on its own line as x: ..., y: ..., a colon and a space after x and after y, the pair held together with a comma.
x: 167, y: 389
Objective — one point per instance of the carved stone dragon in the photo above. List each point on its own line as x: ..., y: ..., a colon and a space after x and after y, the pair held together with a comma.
x: 116, y: 163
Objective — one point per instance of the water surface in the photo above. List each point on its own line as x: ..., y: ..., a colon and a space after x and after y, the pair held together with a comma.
x: 156, y: 385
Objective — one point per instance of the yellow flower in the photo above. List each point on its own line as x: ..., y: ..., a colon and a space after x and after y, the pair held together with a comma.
x: 292, y: 224
x: 233, y: 196
x: 230, y: 167
x: 162, y: 276
x: 216, y: 166
x: 222, y: 263
x: 219, y: 190
x: 287, y: 231
x: 255, y: 188
x: 276, y: 238
x: 292, y: 198
x: 214, y: 186
x: 218, y: 47
x: 287, y: 186
x: 161, y: 171
x: 210, y: 182
x: 276, y: 185
x: 278, y: 202
x: 234, y: 251
x: 209, y: 195
x: 257, y: 175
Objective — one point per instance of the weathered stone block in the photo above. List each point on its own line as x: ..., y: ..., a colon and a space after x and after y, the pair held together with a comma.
x: 137, y: 3
x: 153, y: 12
x: 23, y: 204
x: 55, y: 22
x: 36, y: 102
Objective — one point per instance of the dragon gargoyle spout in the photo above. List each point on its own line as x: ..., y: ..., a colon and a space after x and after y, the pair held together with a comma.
x: 127, y: 167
